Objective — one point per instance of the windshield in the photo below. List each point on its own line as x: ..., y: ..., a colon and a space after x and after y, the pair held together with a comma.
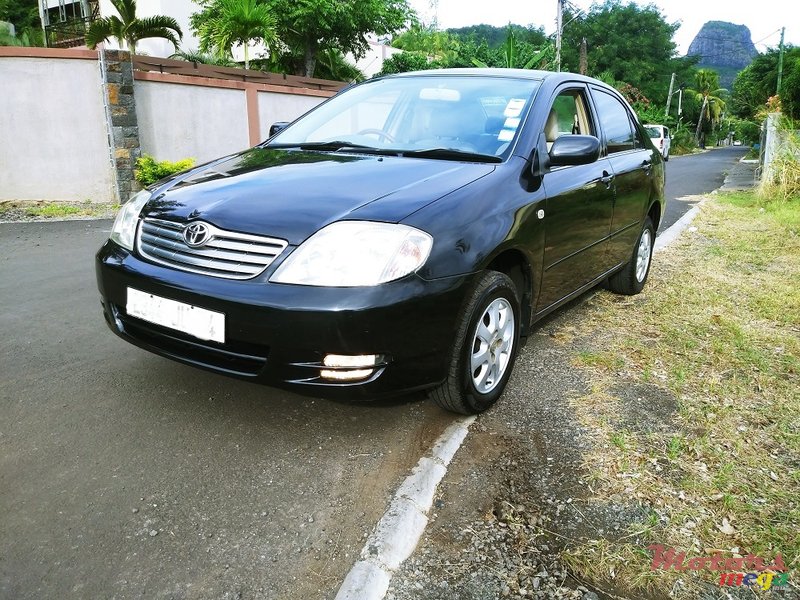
x: 653, y: 132
x: 466, y: 114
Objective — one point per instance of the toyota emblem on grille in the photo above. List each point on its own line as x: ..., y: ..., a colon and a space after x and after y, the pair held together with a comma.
x: 196, y: 234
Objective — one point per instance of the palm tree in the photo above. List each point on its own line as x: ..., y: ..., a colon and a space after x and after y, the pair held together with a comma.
x: 708, y: 93
x: 129, y: 29
x: 237, y: 22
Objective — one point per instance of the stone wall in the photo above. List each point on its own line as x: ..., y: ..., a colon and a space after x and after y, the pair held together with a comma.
x: 124, y: 124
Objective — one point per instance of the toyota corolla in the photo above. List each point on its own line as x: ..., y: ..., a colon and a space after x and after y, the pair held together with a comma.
x: 406, y: 234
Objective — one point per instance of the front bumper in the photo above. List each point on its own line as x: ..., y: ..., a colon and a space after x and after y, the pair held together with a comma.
x: 279, y: 334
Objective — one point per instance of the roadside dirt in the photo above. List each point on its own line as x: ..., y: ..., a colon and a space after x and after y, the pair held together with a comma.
x: 519, y: 492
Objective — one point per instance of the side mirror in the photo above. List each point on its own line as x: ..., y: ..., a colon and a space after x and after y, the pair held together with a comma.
x: 276, y: 127
x: 574, y: 150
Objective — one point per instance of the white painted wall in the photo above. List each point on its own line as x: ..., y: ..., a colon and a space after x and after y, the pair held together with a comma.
x: 51, y: 153
x: 373, y: 60
x: 188, y: 121
x: 62, y: 154
x: 274, y: 107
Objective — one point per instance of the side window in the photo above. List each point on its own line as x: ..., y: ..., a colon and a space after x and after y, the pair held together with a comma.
x: 616, y: 123
x: 638, y: 137
x: 568, y: 115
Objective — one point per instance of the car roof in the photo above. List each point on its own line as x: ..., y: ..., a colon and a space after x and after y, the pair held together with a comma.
x: 498, y: 72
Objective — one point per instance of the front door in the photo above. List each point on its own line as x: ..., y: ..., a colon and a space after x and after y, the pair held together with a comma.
x: 579, y: 207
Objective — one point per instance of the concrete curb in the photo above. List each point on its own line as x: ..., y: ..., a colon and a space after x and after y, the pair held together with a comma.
x: 671, y: 233
x: 397, y: 533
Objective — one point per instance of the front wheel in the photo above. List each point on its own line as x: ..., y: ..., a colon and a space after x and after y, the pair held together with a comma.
x: 631, y: 278
x: 485, y: 347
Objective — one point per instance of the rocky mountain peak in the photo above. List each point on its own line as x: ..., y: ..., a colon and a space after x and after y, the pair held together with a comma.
x: 722, y: 44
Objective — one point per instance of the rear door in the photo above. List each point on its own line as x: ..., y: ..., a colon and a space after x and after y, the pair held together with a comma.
x: 632, y: 162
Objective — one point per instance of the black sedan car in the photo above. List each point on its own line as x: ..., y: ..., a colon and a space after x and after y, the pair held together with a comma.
x: 403, y: 235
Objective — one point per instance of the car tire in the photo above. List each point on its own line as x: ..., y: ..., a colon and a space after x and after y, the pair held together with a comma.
x: 485, y: 347
x: 631, y: 278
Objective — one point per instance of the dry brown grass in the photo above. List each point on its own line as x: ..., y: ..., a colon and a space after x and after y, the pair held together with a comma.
x: 718, y: 328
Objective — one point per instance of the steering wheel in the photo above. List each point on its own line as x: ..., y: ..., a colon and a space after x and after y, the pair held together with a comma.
x: 379, y: 132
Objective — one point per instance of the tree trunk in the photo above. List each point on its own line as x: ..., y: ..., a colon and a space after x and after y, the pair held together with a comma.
x: 700, y: 120
x: 310, y: 60
x: 246, y: 57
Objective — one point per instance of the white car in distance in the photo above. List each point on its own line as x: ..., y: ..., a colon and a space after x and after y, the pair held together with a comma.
x: 659, y: 134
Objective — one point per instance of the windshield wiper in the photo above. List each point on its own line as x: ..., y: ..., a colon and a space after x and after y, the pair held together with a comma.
x: 332, y: 146
x: 452, y: 154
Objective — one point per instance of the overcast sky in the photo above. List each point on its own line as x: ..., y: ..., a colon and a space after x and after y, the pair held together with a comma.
x: 763, y: 17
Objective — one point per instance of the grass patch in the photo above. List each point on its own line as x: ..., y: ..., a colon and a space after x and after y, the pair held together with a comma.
x: 53, y: 210
x: 35, y: 210
x: 718, y: 327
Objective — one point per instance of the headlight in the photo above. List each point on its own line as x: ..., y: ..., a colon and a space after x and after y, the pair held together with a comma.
x: 124, y: 229
x: 356, y: 253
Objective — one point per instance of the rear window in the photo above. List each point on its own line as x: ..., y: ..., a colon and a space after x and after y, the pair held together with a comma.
x: 653, y: 132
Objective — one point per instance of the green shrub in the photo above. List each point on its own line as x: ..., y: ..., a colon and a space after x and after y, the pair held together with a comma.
x: 748, y: 132
x: 149, y: 170
x: 683, y: 140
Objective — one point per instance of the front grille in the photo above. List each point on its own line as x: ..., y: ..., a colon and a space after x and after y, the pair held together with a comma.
x: 227, y: 254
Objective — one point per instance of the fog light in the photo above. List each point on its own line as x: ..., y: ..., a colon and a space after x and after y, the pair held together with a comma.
x: 348, y: 368
x: 350, y: 362
x: 350, y: 375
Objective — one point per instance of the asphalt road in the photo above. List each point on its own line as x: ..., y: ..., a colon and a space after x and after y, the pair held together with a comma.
x: 126, y: 475
x: 689, y: 176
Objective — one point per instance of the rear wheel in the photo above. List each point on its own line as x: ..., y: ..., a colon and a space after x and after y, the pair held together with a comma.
x: 485, y: 347
x: 631, y: 278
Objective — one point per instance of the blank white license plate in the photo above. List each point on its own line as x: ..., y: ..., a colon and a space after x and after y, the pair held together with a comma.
x: 199, y: 322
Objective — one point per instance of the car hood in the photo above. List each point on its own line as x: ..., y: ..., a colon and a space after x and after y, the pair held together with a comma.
x: 290, y: 194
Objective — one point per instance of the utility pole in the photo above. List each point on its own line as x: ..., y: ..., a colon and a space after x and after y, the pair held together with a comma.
x: 559, y: 28
x: 584, y: 59
x: 780, y: 64
x: 669, y: 95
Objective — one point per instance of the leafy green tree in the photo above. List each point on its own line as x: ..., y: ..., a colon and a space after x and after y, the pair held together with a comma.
x: 314, y: 25
x: 403, y: 62
x: 707, y: 92
x: 129, y: 29
x: 26, y: 38
x: 24, y: 16
x: 428, y: 48
x: 515, y: 55
x: 436, y: 45
x: 235, y: 23
x: 755, y: 84
x: 495, y: 37
x: 632, y: 43
x: 308, y: 27
x: 332, y: 64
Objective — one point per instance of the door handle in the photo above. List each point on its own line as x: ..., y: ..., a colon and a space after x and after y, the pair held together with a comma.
x: 607, y: 178
x: 647, y: 165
